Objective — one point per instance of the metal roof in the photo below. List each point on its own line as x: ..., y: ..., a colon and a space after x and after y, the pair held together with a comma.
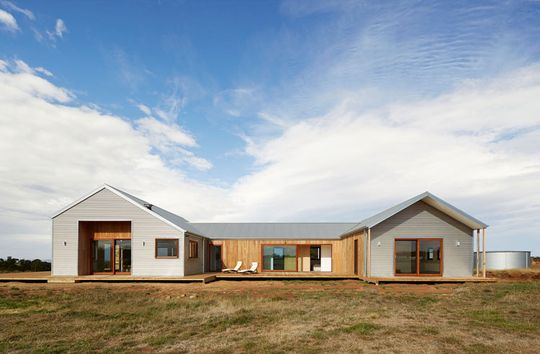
x: 289, y: 230
x: 167, y: 215
x: 271, y: 230
x: 429, y: 199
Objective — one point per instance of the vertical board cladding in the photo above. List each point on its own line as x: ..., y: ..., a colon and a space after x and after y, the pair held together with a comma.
x: 107, y: 206
x: 195, y: 265
x: 421, y: 220
x: 248, y: 251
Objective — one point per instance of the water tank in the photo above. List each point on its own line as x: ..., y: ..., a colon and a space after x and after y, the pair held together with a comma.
x: 501, y: 260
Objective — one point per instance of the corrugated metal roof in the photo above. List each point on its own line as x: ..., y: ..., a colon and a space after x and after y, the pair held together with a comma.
x: 167, y: 215
x: 429, y: 199
x: 299, y: 230
x: 296, y: 231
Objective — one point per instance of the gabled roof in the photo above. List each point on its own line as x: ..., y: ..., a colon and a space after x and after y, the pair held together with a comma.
x: 174, y: 220
x: 271, y: 230
x: 429, y: 199
x: 298, y: 230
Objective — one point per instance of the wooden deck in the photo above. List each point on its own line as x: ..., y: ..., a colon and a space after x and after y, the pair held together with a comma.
x: 284, y: 276
x: 45, y: 277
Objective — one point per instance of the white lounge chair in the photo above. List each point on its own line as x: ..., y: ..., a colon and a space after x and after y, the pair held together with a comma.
x: 232, y: 270
x: 253, y: 268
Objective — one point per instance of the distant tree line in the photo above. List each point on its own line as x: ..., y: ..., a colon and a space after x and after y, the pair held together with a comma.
x: 23, y: 265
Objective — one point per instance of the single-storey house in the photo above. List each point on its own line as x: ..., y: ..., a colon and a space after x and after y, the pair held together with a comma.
x: 109, y: 231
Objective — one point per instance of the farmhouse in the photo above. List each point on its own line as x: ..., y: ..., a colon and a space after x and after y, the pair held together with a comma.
x: 109, y: 231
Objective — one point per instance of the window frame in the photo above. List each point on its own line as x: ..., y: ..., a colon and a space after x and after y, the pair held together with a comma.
x: 166, y: 239
x: 440, y: 256
x: 196, y: 243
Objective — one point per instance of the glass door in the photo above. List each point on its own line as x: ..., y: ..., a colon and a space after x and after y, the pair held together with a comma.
x: 215, y: 258
x: 122, y: 256
x: 418, y: 256
x: 430, y: 256
x: 406, y: 257
x: 102, y: 262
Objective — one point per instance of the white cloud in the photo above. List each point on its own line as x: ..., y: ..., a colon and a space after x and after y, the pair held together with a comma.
x: 145, y: 109
x: 53, y: 153
x: 164, y: 136
x: 11, y: 6
x: 60, y: 28
x: 58, y: 32
x: 24, y: 83
x: 8, y: 21
x: 478, y: 147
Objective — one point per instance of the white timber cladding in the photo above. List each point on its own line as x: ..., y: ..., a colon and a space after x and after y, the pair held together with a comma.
x: 421, y: 220
x: 107, y: 206
x: 194, y: 265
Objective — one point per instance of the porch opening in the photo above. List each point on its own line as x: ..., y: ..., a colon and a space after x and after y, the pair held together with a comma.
x: 104, y: 247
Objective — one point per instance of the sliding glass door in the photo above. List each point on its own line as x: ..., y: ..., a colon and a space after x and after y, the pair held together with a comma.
x: 122, y: 256
x: 111, y: 256
x: 406, y: 257
x: 279, y: 258
x: 418, y: 256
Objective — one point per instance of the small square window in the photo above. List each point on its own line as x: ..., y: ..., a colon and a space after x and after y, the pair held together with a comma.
x: 166, y: 248
x: 193, y: 249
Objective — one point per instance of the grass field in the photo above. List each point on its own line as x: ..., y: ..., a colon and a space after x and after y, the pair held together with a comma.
x: 271, y: 317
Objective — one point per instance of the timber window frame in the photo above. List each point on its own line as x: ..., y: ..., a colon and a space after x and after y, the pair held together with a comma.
x: 174, y: 248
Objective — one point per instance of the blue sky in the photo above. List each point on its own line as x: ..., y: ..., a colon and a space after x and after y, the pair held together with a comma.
x: 271, y: 110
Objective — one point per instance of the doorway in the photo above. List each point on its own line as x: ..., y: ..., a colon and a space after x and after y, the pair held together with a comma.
x: 419, y: 257
x: 315, y: 258
x: 215, y: 263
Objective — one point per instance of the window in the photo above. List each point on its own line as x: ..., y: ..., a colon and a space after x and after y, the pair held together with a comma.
x: 418, y: 256
x: 193, y: 249
x: 166, y: 248
x: 279, y: 258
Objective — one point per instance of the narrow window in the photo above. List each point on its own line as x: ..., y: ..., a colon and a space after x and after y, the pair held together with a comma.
x: 166, y: 248
x: 193, y: 249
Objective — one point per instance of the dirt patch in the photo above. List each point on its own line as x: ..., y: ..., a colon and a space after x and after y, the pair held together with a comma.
x: 516, y: 274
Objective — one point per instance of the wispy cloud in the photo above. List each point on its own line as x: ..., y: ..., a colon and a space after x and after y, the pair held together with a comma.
x: 128, y: 70
x: 59, y: 30
x: 8, y: 22
x: 11, y: 6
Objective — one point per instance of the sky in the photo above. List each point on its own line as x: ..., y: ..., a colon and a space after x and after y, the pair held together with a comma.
x: 270, y: 110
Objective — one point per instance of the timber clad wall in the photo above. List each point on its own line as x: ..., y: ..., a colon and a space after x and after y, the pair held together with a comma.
x: 417, y: 221
x: 107, y: 206
x: 249, y: 251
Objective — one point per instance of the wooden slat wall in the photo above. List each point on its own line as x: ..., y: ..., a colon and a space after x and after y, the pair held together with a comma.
x: 107, y: 230
x: 249, y: 251
x: 85, y: 249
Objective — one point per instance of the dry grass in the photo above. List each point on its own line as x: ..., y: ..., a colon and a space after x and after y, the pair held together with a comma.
x: 270, y: 317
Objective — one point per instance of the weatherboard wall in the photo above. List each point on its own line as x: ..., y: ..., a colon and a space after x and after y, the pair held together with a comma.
x: 421, y: 220
x: 107, y: 206
x: 247, y: 251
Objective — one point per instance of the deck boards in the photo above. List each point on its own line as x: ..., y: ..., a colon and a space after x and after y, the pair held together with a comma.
x: 45, y: 277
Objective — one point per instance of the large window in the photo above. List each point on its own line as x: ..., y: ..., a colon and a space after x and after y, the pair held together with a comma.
x: 418, y: 256
x: 279, y: 258
x: 166, y: 248
x: 193, y: 249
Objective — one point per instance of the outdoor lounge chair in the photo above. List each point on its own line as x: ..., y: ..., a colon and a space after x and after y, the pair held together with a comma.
x: 233, y: 270
x: 251, y: 270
